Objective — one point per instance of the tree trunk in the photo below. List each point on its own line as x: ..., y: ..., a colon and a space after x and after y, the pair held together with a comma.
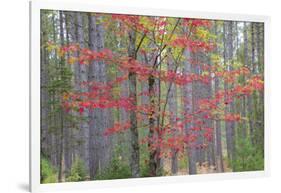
x: 83, y: 133
x: 188, y: 109
x: 135, y: 167
x: 198, y: 92
x: 72, y: 28
x: 250, y: 98
x: 172, y: 102
x: 246, y: 64
x: 226, y: 87
x: 218, y: 136
x: 106, y: 122
x: 151, y: 134
x: 67, y: 128
x: 44, y: 96
x: 61, y: 172
x: 94, y: 119
x: 210, y: 123
x: 230, y: 126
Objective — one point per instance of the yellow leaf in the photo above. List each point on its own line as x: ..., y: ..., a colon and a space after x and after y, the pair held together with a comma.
x: 60, y: 52
x: 72, y: 60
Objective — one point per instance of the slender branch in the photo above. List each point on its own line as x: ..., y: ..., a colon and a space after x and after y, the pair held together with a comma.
x: 141, y: 41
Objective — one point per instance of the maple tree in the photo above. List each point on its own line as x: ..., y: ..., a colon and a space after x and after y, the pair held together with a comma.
x: 152, y: 51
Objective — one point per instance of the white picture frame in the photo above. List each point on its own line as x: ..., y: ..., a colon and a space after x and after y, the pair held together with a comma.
x: 36, y: 6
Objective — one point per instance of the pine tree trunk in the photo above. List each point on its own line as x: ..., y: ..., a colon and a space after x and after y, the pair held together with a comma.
x: 44, y: 96
x: 83, y: 132
x: 218, y: 136
x: 198, y: 92
x: 61, y: 116
x: 230, y: 126
x: 106, y: 121
x: 172, y: 102
x: 94, y: 119
x: 72, y: 19
x: 250, y: 98
x: 246, y: 64
x: 188, y: 109
x: 67, y: 128
x: 226, y: 87
x: 210, y: 124
x: 135, y: 167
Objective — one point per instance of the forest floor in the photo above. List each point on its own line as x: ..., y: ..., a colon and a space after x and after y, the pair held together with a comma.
x: 204, y: 168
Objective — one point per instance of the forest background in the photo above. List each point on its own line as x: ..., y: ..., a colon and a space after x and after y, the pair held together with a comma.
x: 135, y: 96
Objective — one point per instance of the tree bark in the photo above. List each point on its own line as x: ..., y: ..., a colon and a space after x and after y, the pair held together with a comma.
x: 218, y: 136
x: 135, y: 167
x: 188, y: 109
x: 44, y: 96
x: 61, y: 175
x: 250, y: 98
x: 94, y: 114
x: 230, y: 126
x: 106, y: 122
x: 83, y: 134
x: 246, y: 64
x: 226, y: 87
x: 172, y: 102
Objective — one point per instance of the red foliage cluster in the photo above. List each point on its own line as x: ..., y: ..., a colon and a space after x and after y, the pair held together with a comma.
x: 196, y: 22
x: 87, y: 55
x: 144, y: 72
x: 177, y: 142
x: 192, y: 45
x: 99, y: 103
x: 131, y: 21
x: 232, y: 117
x: 69, y: 48
x: 117, y: 127
x: 207, y: 104
x: 256, y: 83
